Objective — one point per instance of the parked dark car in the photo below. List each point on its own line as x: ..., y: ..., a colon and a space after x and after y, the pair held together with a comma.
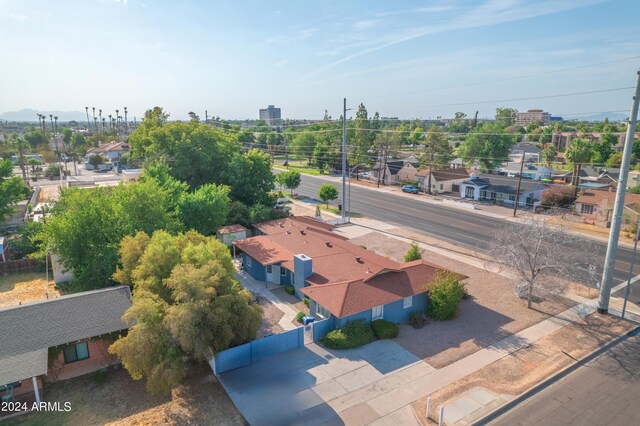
x: 410, y: 189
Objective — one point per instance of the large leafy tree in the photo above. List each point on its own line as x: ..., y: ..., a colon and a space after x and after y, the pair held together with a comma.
x: 250, y: 178
x: 205, y: 209
x: 303, y: 144
x: 361, y: 139
x: 488, y: 144
x: 12, y: 189
x: 603, y: 149
x: 436, y: 152
x: 549, y: 155
x: 327, y: 192
x: 86, y: 227
x: 196, y: 153
x: 506, y: 116
x: 290, y: 180
x: 187, y: 306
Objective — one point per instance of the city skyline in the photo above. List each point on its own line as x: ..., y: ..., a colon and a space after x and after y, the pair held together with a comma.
x: 424, y: 60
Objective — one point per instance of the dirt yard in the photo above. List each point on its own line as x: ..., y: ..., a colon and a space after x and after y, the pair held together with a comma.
x: 121, y: 401
x: 270, y: 317
x: 492, y: 314
x: 25, y: 287
x: 529, y: 366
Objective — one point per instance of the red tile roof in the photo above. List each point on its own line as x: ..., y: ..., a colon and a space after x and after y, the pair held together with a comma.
x: 230, y: 229
x: 608, y: 197
x: 350, y: 297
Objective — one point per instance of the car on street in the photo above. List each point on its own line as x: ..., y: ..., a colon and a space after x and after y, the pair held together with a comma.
x: 410, y: 189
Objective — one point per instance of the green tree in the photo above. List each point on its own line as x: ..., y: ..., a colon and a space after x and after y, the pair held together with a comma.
x: 67, y: 134
x: 488, y: 144
x: 303, y: 145
x: 549, y: 155
x: 86, y: 227
x: 615, y: 161
x: 12, y: 189
x: 328, y: 192
x: 361, y: 139
x: 445, y: 294
x: 604, y: 149
x: 239, y: 213
x: 290, y: 180
x: 506, y: 116
x: 436, y: 152
x: 96, y: 160
x: 187, y: 306
x: 459, y: 124
x: 205, y: 209
x: 414, y: 253
x: 250, y: 177
x: 578, y: 153
x: 37, y: 138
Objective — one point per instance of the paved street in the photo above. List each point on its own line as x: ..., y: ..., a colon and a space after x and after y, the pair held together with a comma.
x: 447, y: 223
x: 602, y: 392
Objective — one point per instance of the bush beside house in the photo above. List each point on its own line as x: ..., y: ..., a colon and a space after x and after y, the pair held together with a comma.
x: 300, y: 316
x: 384, y: 329
x: 445, y: 295
x: 354, y: 334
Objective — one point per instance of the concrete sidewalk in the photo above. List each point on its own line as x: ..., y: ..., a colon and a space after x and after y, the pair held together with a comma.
x: 260, y: 287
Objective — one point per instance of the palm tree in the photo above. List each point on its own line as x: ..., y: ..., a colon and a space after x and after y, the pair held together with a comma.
x: 95, y: 123
x: 110, y: 123
x: 126, y: 124
x: 100, y: 116
x: 22, y: 146
x: 86, y: 109
x: 578, y: 153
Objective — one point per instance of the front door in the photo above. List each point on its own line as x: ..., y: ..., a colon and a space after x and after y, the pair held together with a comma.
x: 269, y: 271
x: 275, y: 275
x: 377, y: 312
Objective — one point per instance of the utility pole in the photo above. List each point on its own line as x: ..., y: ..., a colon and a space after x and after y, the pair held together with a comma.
x: 614, y: 234
x: 515, y: 205
x: 206, y: 117
x: 344, y: 158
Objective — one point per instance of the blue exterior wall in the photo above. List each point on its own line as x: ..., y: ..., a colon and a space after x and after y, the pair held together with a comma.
x: 285, y: 279
x: 395, y: 312
x: 364, y: 315
x: 256, y: 270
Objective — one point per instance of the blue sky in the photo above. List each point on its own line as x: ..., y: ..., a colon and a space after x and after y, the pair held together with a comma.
x: 409, y: 59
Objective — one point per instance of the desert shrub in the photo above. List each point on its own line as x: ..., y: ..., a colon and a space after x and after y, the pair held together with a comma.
x: 385, y: 329
x: 354, y: 334
x: 445, y: 294
x: 53, y: 171
x: 557, y: 197
x: 290, y: 289
x: 414, y: 253
x: 306, y: 301
x: 299, y: 316
x: 418, y: 320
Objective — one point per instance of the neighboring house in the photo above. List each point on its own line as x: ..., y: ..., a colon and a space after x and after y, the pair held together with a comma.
x: 456, y: 163
x: 501, y: 188
x: 130, y: 175
x: 59, y: 338
x: 395, y: 171
x: 529, y: 171
x: 592, y: 174
x: 343, y: 281
x: 596, y: 207
x: 530, y: 150
x: 231, y: 233
x: 111, y: 150
x: 446, y: 180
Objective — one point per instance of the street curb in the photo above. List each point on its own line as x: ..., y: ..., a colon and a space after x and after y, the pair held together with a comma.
x: 495, y: 414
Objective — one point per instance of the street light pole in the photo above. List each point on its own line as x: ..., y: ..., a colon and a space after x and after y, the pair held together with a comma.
x: 344, y: 159
x: 633, y: 261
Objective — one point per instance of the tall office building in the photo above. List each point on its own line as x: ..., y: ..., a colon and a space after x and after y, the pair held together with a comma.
x: 533, y: 116
x: 270, y: 115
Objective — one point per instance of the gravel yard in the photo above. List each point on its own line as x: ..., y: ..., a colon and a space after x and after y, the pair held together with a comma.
x: 493, y: 312
x: 270, y: 317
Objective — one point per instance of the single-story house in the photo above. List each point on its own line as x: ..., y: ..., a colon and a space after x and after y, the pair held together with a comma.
x: 130, y: 175
x: 593, y: 174
x: 446, y: 180
x: 531, y: 152
x: 396, y: 171
x: 501, y: 189
x: 343, y: 281
x: 596, y: 207
x: 57, y: 339
x: 228, y: 234
x: 111, y: 150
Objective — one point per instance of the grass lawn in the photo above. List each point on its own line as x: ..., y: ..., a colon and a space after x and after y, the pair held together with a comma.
x: 119, y: 400
x: 299, y: 166
x: 24, y: 287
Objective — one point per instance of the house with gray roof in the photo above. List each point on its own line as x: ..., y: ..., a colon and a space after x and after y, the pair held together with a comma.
x: 501, y: 189
x: 59, y: 338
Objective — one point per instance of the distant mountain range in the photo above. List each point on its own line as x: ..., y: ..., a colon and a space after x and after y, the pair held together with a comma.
x: 28, y: 114
x: 612, y: 116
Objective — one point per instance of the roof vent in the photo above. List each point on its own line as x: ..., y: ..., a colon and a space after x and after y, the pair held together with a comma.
x: 328, y: 244
x: 359, y: 260
x: 288, y: 232
x: 306, y: 242
x: 368, y: 270
x: 281, y: 225
x: 302, y: 232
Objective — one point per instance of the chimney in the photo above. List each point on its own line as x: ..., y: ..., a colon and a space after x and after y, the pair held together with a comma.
x: 302, y: 266
x: 472, y: 176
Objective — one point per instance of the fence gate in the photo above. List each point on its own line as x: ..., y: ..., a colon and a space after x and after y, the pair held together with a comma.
x: 308, y: 334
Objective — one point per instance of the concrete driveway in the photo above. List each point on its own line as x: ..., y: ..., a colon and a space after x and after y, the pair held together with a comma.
x: 316, y: 386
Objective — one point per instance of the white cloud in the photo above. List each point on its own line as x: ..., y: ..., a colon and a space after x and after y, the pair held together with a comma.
x: 364, y: 25
x: 19, y: 17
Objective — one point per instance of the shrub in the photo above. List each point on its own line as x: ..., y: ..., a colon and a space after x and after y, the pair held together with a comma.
x: 354, y: 334
x: 445, y: 294
x: 54, y: 171
x: 290, y: 289
x: 299, y: 316
x: 306, y: 301
x: 410, y: 182
x: 413, y: 253
x: 557, y: 197
x: 418, y: 320
x: 384, y: 329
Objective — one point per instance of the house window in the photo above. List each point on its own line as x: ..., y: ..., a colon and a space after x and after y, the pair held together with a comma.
x: 322, y: 312
x: 468, y: 192
x: 76, y: 352
x: 283, y: 271
x: 407, y: 302
x: 512, y: 197
x: 586, y: 209
x: 441, y: 186
x: 269, y: 269
x: 483, y: 194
